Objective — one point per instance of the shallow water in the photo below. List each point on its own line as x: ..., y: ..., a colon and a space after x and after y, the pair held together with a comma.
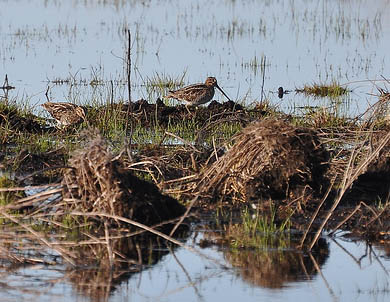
x: 347, y: 271
x: 301, y: 42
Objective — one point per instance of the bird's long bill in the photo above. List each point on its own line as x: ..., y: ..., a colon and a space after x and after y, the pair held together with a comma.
x: 223, y: 92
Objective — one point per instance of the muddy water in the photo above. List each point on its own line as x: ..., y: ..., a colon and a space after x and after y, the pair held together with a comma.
x: 69, y: 45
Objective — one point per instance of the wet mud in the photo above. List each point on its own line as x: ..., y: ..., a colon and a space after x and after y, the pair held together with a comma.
x: 151, y: 114
x: 12, y: 119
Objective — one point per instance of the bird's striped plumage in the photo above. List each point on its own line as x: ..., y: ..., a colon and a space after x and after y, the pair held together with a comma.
x: 65, y: 114
x: 197, y: 94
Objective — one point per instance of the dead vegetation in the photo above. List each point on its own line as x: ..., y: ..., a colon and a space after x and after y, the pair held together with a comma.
x: 93, y: 178
x: 98, y: 182
x: 100, y: 215
x: 270, y: 159
x: 13, y: 120
x: 384, y: 95
x: 318, y: 175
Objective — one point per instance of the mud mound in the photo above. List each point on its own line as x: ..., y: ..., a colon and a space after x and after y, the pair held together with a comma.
x: 97, y: 182
x: 148, y: 114
x: 269, y: 159
x: 13, y: 120
x: 374, y: 182
x: 40, y: 167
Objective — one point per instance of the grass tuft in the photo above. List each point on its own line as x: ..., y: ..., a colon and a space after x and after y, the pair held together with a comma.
x: 8, y: 197
x: 322, y: 90
x: 160, y: 84
x: 259, y: 230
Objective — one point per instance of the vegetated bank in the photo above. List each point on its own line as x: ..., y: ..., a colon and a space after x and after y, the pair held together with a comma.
x: 228, y: 156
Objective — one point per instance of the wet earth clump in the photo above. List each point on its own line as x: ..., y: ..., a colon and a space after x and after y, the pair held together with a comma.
x: 98, y: 182
x: 270, y: 159
x: 373, y: 184
x: 151, y: 114
x: 12, y: 119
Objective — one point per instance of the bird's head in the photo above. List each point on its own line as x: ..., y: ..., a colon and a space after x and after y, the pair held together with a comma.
x: 211, y: 81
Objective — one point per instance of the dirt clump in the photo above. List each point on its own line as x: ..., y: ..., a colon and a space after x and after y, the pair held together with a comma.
x: 13, y: 120
x: 98, y: 182
x: 373, y: 184
x: 151, y: 114
x: 270, y: 159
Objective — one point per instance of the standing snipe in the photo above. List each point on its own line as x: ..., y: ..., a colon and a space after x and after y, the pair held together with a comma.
x: 197, y: 94
x: 65, y: 114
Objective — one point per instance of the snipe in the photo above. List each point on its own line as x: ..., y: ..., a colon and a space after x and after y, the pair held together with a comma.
x: 197, y: 94
x: 65, y: 114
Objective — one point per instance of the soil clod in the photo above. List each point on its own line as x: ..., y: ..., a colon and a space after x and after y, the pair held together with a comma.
x: 99, y: 183
x: 269, y: 159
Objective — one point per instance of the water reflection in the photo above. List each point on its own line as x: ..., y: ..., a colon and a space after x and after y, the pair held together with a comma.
x: 98, y: 276
x: 97, y: 280
x: 341, y: 269
x: 276, y: 268
x: 269, y: 260
x: 303, y: 41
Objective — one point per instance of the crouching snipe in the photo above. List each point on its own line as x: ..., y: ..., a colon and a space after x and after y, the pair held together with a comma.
x: 66, y: 114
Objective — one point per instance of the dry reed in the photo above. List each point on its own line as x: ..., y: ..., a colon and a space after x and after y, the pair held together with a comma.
x: 269, y: 159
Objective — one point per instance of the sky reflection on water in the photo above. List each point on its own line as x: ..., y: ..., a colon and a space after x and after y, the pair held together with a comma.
x: 303, y: 42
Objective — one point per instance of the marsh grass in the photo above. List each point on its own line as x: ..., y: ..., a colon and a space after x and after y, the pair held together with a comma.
x: 259, y: 230
x: 255, y: 64
x: 159, y: 85
x: 223, y: 132
x: 10, y: 196
x: 186, y: 129
x: 39, y: 143
x: 324, y: 117
x: 16, y: 119
x: 110, y: 119
x: 332, y: 90
x: 14, y: 107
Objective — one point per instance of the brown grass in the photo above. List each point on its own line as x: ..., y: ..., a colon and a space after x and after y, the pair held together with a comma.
x: 101, y: 216
x: 94, y: 180
x: 269, y: 159
x: 98, y: 182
